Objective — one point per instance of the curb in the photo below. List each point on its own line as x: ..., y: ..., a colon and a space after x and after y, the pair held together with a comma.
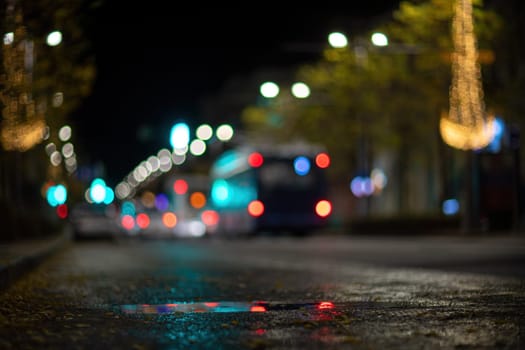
x: 19, y: 265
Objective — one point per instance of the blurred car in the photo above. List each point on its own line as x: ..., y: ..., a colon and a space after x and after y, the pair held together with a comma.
x: 94, y: 221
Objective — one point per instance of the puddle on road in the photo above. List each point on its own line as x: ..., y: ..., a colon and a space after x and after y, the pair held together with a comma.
x: 222, y: 307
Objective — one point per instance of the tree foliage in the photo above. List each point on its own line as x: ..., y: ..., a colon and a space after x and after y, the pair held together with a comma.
x: 69, y: 68
x: 61, y: 77
x: 389, y: 96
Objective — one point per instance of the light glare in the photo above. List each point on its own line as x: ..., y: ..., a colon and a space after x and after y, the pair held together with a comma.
x: 379, y: 39
x: 269, y: 89
x: 54, y: 38
x: 300, y: 90
x: 337, y: 40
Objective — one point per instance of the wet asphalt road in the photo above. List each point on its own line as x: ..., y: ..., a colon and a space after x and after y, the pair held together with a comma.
x: 328, y: 292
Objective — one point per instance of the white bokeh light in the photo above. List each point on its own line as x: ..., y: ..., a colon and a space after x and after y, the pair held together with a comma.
x: 64, y: 134
x: 123, y: 190
x: 204, y: 132
x: 379, y: 39
x: 269, y: 89
x: 337, y: 40
x: 9, y: 38
x: 197, y: 147
x: 300, y: 90
x: 68, y: 150
x: 224, y: 132
x: 54, y: 38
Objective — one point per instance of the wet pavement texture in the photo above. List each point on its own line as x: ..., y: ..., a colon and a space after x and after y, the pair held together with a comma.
x: 263, y: 294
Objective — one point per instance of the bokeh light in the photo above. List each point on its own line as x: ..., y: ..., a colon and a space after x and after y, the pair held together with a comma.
x: 337, y: 40
x: 64, y: 134
x: 9, y: 38
x: 323, y: 208
x: 301, y: 165
x: 450, y: 207
x: 62, y: 211
x: 300, y: 90
x: 54, y: 38
x: 97, y: 190
x: 322, y: 160
x: 269, y: 89
x: 204, y: 132
x: 255, y: 159
x: 143, y: 220
x: 180, y: 186
x: 197, y: 147
x: 197, y: 200
x: 128, y: 222
x: 256, y: 208
x: 210, y: 217
x: 169, y: 219
x: 180, y: 135
x: 161, y: 202
x: 224, y: 132
x: 379, y: 39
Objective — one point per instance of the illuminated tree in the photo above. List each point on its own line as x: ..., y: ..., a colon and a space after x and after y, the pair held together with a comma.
x: 392, y: 95
x: 467, y: 125
x: 40, y: 86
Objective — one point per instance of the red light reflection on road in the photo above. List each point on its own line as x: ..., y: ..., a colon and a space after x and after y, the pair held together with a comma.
x: 325, y: 305
x: 258, y: 308
x: 323, y: 310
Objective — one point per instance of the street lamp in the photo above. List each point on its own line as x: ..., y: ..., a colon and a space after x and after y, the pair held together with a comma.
x: 379, y: 39
x: 54, y: 38
x: 300, y: 90
x: 337, y: 40
x: 269, y: 89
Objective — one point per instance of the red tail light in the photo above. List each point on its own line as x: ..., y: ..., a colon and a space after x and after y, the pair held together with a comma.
x: 322, y: 160
x: 142, y: 220
x: 256, y: 208
x: 255, y: 159
x: 210, y: 217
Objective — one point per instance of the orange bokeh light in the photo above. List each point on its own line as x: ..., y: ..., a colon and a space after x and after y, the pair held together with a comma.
x: 197, y: 200
x: 169, y: 219
x: 323, y: 208
x: 256, y: 208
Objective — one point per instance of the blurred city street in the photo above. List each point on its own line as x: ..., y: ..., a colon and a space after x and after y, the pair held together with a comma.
x: 321, y: 291
x: 289, y: 177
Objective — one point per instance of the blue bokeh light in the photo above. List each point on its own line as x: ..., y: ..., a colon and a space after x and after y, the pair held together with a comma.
x: 301, y: 165
x: 450, y: 207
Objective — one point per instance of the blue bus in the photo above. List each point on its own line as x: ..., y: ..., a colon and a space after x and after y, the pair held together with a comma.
x: 279, y: 188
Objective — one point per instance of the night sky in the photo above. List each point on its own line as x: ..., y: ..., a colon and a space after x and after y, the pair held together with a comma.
x: 156, y: 61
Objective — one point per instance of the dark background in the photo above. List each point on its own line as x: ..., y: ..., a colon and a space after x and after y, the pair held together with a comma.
x: 157, y: 59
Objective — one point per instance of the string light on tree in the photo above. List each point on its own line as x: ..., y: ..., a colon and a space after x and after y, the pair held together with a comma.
x: 23, y: 124
x: 467, y: 125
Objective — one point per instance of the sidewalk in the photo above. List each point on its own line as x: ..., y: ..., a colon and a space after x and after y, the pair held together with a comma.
x: 20, y: 257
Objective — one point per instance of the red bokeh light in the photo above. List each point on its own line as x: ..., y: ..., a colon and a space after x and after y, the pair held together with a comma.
x: 322, y: 160
x: 127, y: 222
x: 180, y: 186
x: 210, y: 217
x: 325, y: 305
x: 255, y: 159
x: 62, y: 211
x: 257, y: 308
x: 143, y: 220
x: 256, y: 208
